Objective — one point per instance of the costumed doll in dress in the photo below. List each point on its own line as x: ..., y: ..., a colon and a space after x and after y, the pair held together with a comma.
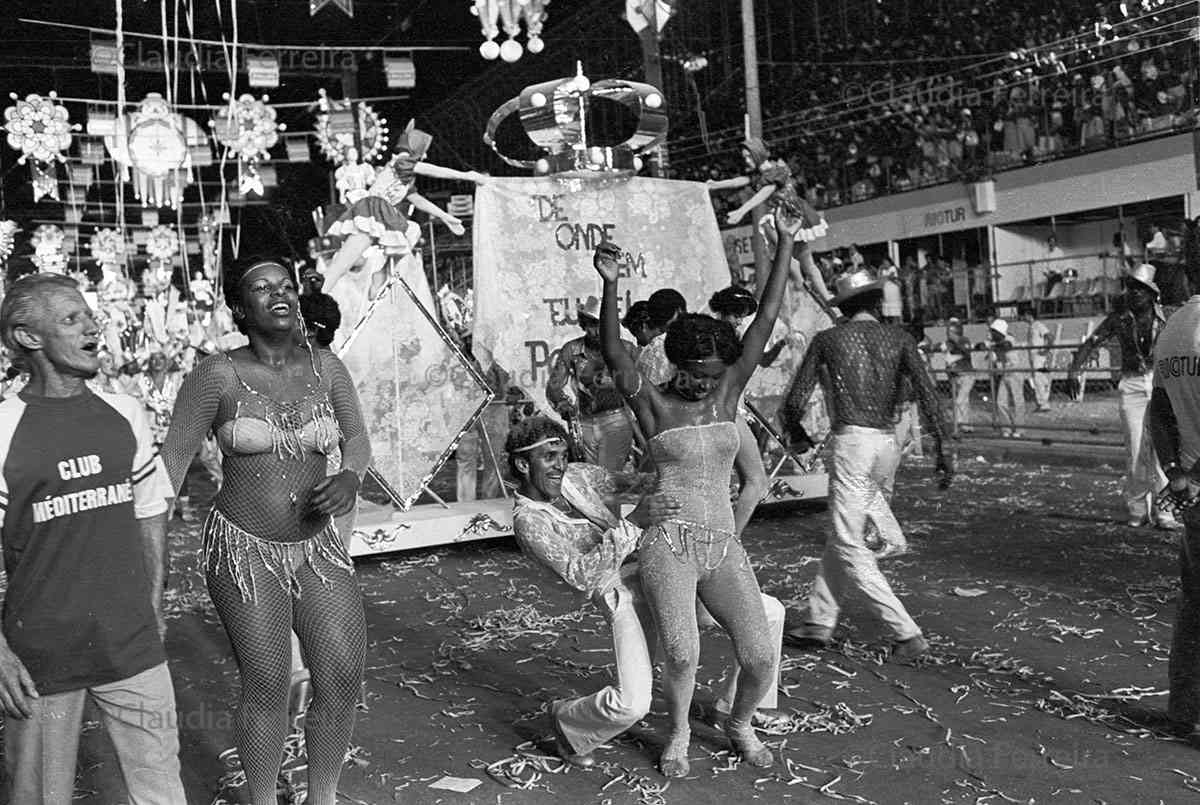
x: 775, y: 187
x: 378, y: 217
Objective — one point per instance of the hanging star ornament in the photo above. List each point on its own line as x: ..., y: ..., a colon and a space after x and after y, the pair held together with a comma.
x: 316, y: 5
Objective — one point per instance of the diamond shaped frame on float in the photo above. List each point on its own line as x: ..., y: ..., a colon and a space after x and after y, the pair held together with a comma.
x: 419, y: 393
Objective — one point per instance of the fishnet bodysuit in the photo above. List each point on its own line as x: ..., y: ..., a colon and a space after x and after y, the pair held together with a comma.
x: 866, y: 364
x: 266, y: 495
x: 698, y: 554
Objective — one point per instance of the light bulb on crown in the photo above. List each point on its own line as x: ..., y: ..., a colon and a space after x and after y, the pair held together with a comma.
x: 535, y: 45
x: 511, y: 50
x: 490, y: 50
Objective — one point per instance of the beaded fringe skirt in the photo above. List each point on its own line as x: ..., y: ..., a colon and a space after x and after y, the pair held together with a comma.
x: 691, y: 542
x: 246, y: 558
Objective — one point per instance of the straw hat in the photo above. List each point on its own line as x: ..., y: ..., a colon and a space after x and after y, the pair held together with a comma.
x: 1143, y: 274
x: 853, y: 284
x: 999, y: 326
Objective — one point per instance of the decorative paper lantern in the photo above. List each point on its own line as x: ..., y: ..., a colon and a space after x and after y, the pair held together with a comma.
x: 48, y: 242
x: 40, y: 128
x: 153, y: 151
x: 162, y: 243
x: 335, y: 127
x: 107, y: 247
x: 247, y: 128
x: 8, y: 238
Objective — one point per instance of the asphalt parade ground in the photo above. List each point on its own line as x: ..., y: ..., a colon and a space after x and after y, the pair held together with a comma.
x: 1050, y: 622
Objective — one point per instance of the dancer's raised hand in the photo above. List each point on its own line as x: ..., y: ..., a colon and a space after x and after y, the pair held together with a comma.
x: 607, y: 260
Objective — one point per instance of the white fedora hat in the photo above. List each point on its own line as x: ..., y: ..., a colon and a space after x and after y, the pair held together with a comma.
x: 853, y: 284
x: 1000, y: 326
x: 1143, y: 274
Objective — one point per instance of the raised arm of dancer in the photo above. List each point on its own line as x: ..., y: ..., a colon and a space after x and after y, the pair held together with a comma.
x: 620, y: 362
x: 438, y: 172
x: 755, y: 339
x: 927, y: 399
x: 194, y: 414
x: 336, y: 495
x: 717, y: 185
x: 760, y: 197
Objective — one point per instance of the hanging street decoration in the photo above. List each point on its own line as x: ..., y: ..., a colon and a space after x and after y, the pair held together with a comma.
x: 8, y: 238
x: 510, y: 14
x: 336, y: 128
x: 48, y: 255
x: 40, y: 128
x: 108, y: 247
x: 115, y: 293
x: 247, y: 129
x: 316, y: 5
x: 154, y: 151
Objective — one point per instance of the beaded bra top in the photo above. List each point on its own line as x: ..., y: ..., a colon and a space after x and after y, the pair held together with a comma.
x: 290, y: 429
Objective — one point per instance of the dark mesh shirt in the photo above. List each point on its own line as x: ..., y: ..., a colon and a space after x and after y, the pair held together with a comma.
x: 867, y: 366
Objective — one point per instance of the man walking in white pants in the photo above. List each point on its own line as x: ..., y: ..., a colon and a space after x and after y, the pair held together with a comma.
x: 1136, y: 327
x: 866, y: 363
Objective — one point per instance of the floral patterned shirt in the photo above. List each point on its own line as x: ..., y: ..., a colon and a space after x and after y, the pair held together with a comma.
x: 586, y: 546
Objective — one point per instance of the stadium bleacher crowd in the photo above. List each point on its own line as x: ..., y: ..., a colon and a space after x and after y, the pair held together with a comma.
x: 959, y: 95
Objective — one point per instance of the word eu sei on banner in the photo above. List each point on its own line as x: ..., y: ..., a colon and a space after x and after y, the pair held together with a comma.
x: 533, y: 242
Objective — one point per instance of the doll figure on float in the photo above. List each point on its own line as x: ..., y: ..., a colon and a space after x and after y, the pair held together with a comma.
x: 115, y: 295
x: 776, y: 187
x: 379, y: 216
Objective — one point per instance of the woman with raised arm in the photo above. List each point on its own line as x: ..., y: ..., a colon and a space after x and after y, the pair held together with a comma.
x: 273, y: 560
x: 690, y: 424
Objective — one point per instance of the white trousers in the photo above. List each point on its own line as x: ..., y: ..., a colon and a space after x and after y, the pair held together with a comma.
x: 1143, y: 476
x: 593, y: 720
x: 861, y: 466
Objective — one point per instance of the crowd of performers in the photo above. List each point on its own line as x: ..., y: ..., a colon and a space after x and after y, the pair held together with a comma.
x: 85, y: 488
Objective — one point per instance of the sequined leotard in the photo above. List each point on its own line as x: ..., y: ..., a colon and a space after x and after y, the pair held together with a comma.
x: 694, y: 465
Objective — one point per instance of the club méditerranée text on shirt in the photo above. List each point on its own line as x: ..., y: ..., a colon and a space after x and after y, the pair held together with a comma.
x: 83, y: 500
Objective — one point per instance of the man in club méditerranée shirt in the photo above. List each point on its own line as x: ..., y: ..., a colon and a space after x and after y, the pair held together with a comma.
x: 83, y: 526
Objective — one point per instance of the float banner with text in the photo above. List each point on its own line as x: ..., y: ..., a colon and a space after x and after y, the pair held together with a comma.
x: 533, y: 246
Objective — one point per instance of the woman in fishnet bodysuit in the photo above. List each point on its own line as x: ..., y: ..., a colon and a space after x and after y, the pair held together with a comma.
x: 692, y: 438
x: 273, y: 560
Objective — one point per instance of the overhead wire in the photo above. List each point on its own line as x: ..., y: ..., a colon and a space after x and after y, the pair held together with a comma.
x: 681, y: 147
x: 1047, y: 48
